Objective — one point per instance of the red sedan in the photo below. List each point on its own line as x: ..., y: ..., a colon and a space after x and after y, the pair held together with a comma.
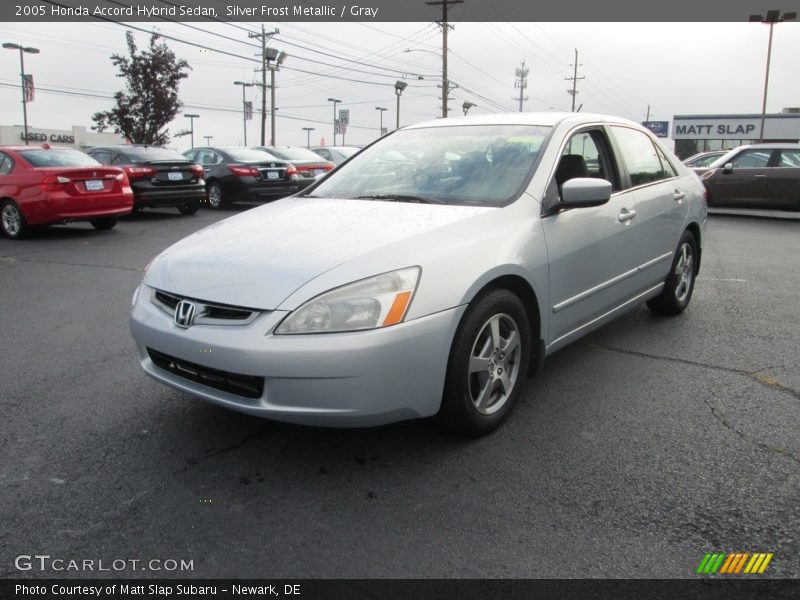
x: 40, y: 185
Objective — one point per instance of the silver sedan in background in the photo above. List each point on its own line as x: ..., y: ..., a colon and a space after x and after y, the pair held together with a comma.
x: 427, y: 276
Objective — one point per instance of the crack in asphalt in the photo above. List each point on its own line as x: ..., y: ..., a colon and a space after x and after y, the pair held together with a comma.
x: 758, y: 376
x: 190, y: 462
x: 717, y: 414
x: 71, y: 264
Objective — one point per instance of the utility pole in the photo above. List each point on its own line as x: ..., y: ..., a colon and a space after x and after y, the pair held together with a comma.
x: 574, y: 91
x: 521, y: 82
x: 263, y: 36
x: 444, y: 25
x: 647, y: 118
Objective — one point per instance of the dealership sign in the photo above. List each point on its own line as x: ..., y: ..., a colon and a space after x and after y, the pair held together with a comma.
x: 659, y: 128
x: 716, y: 129
x: 58, y: 138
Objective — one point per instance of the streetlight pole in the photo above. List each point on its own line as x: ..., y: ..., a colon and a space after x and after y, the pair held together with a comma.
x: 191, y: 120
x: 208, y: 139
x: 22, y: 50
x: 274, y: 60
x: 399, y: 86
x: 335, y: 102
x: 308, y: 131
x: 773, y: 16
x: 244, y: 107
x: 383, y: 110
x: 466, y: 106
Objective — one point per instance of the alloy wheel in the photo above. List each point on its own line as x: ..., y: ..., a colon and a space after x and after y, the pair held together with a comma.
x: 684, y: 271
x: 12, y: 220
x: 494, y: 364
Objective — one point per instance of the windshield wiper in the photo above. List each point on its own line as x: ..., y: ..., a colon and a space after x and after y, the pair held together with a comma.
x: 399, y: 198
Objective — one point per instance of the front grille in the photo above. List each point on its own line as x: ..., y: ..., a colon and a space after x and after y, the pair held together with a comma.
x: 207, y: 313
x: 248, y: 386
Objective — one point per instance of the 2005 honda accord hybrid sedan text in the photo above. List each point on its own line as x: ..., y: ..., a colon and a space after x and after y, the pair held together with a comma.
x: 395, y: 289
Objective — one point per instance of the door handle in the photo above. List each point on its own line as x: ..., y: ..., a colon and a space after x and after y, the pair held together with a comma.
x: 678, y: 195
x: 760, y: 176
x: 626, y: 215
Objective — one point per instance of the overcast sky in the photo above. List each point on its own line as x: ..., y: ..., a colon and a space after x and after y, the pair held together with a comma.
x: 676, y: 68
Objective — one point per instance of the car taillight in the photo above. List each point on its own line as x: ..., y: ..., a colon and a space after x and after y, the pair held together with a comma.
x: 54, y: 182
x: 139, y: 172
x: 291, y: 170
x: 243, y: 171
x: 329, y: 167
x: 197, y: 170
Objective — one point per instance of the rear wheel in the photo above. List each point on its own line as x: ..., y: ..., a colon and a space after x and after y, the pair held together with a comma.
x: 215, y: 199
x: 189, y: 208
x: 103, y: 224
x: 12, y: 222
x: 679, y: 284
x: 487, y: 366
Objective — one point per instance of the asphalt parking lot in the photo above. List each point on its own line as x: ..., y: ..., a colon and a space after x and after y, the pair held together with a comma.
x: 636, y: 451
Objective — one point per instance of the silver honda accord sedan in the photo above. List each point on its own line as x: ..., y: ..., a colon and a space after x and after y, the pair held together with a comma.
x: 430, y: 275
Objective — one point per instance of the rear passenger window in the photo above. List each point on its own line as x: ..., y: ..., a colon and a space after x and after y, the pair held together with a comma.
x: 669, y: 169
x: 790, y: 159
x: 640, y: 156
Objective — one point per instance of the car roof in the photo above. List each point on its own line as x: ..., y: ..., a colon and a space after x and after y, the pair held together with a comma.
x: 17, y: 148
x: 775, y: 146
x: 547, y: 119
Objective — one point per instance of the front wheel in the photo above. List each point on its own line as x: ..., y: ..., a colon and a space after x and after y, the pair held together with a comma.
x: 679, y: 284
x: 103, y: 224
x: 487, y: 365
x: 12, y: 221
x: 215, y: 199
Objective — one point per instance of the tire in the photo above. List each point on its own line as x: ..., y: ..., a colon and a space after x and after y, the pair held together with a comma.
x: 215, y: 197
x: 12, y: 221
x: 189, y: 208
x: 679, y: 284
x: 487, y: 365
x: 103, y: 224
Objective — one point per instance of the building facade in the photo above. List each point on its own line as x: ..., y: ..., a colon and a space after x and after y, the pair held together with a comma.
x: 699, y: 133
x: 78, y: 137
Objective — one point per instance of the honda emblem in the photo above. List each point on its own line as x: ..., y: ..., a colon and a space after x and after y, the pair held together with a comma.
x: 184, y: 313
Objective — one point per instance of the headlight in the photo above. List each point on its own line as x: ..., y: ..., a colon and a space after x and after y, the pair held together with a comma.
x: 370, y: 303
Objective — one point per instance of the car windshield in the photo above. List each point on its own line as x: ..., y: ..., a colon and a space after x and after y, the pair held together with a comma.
x: 58, y: 157
x: 248, y: 155
x: 295, y: 154
x: 704, y: 161
x: 483, y: 165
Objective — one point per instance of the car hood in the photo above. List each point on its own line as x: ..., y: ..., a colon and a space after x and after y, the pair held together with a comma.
x: 258, y: 258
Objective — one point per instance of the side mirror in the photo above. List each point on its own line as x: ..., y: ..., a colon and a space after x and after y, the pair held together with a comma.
x: 728, y: 168
x: 585, y: 191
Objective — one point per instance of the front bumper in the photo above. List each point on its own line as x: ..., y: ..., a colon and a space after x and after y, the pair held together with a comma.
x: 345, y: 379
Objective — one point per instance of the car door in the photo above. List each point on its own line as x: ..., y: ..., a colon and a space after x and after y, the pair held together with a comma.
x: 746, y: 183
x: 589, y: 248
x: 783, y: 183
x: 661, y: 203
